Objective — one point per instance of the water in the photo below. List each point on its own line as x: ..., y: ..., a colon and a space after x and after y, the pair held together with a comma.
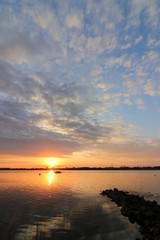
x: 68, y: 206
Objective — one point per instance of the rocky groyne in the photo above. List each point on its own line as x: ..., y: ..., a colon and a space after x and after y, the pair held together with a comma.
x: 138, y: 210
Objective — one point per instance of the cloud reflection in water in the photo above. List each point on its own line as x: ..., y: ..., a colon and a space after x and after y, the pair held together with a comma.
x: 82, y: 219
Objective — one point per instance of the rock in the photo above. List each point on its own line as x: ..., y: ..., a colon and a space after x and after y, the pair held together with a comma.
x: 145, y: 213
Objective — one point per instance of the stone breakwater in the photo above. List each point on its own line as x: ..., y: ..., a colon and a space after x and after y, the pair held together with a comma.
x: 138, y: 210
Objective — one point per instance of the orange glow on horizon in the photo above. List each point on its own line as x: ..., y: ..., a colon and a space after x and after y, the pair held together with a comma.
x: 52, y: 163
x: 89, y: 158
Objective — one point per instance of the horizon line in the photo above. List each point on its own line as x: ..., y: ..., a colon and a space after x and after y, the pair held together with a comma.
x: 84, y: 168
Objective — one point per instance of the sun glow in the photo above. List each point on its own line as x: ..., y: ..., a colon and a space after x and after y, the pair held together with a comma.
x: 52, y: 163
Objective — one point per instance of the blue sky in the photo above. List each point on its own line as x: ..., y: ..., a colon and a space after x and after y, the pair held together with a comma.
x: 79, y: 81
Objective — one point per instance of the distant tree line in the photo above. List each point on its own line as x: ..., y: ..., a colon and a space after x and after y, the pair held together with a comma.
x: 89, y: 168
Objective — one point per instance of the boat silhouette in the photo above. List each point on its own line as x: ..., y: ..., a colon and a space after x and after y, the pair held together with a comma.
x: 57, y: 171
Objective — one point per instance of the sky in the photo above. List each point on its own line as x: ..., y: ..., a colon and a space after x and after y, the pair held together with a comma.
x: 79, y: 83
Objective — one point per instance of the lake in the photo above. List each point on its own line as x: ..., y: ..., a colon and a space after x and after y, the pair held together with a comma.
x: 69, y: 205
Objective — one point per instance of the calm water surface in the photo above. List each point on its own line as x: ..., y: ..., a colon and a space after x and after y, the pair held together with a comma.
x: 68, y: 206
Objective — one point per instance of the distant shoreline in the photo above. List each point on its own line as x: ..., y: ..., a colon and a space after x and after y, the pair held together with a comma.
x: 83, y: 168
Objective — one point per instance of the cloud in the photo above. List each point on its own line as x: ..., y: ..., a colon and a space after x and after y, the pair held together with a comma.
x: 138, y: 40
x: 134, y: 88
x: 158, y: 69
x: 14, y: 83
x: 22, y: 42
x: 126, y: 46
x: 35, y: 107
x: 145, y: 12
x: 119, y: 61
x: 153, y: 13
x: 153, y: 42
x: 140, y: 103
x: 152, y: 88
x: 143, y: 152
x: 37, y: 147
x: 74, y: 21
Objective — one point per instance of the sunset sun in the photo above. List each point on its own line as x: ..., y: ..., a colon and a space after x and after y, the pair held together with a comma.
x: 51, y: 163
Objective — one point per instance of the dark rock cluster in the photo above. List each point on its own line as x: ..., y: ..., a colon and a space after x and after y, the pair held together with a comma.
x: 145, y: 213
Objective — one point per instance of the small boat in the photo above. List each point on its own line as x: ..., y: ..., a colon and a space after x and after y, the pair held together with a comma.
x: 57, y: 171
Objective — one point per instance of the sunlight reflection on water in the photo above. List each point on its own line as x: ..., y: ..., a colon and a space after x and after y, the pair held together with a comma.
x: 68, y: 206
x: 51, y: 177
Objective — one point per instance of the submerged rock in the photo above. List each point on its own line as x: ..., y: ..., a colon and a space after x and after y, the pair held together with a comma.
x: 138, y: 210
